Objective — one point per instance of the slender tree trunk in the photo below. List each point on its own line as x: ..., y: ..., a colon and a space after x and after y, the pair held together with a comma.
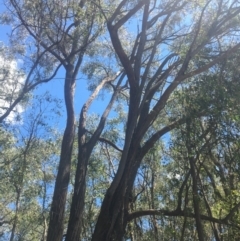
x: 44, y: 235
x: 77, y: 207
x: 55, y: 230
x: 185, y: 218
x: 153, y: 219
x: 16, y: 215
x: 196, y: 207
x: 45, y: 224
x: 19, y: 186
x: 192, y: 161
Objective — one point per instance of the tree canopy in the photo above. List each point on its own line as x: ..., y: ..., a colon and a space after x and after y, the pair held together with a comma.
x: 160, y: 159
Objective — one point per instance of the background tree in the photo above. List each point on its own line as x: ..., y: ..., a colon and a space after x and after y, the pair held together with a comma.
x: 24, y: 66
x: 63, y: 30
x: 28, y: 163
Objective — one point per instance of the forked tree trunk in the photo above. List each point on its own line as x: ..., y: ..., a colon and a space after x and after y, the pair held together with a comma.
x: 84, y: 151
x: 112, y: 220
x: 113, y: 217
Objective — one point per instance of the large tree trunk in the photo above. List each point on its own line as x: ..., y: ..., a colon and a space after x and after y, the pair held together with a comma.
x: 55, y: 230
x: 113, y: 217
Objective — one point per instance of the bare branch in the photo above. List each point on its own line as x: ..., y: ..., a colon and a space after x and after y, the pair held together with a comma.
x: 177, y: 213
x: 109, y: 143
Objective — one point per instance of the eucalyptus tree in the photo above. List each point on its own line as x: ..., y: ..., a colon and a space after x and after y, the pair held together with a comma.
x: 167, y: 50
x: 24, y: 65
x: 204, y: 144
x: 11, y: 82
x: 63, y: 30
x: 155, y: 51
x: 196, y: 176
x: 28, y: 162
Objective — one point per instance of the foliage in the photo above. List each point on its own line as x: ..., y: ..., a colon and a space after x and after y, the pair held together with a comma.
x: 161, y: 161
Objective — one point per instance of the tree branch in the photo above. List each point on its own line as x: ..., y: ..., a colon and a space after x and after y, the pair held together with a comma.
x: 109, y: 143
x: 177, y: 213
